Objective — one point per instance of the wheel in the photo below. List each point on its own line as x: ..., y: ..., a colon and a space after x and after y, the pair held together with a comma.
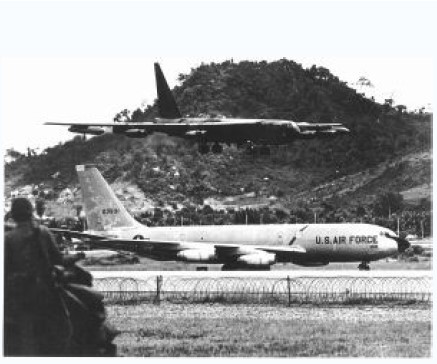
x: 364, y: 266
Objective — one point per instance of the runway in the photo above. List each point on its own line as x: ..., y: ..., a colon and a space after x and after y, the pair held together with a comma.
x: 264, y: 274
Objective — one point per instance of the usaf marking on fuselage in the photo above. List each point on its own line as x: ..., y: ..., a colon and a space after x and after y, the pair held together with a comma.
x: 352, y: 239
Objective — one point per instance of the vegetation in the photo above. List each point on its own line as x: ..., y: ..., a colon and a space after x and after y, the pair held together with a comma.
x: 170, y: 171
x: 227, y: 330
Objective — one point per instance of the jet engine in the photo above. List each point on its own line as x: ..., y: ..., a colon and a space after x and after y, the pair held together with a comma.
x: 197, y: 255
x: 136, y: 133
x: 93, y: 130
x: 257, y: 259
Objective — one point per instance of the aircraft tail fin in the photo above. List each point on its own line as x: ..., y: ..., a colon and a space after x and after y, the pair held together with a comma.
x: 104, y: 211
x: 167, y: 106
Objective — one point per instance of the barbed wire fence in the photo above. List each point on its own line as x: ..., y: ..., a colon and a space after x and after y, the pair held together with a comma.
x: 284, y: 291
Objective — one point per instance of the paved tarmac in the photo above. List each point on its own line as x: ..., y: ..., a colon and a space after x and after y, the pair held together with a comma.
x: 264, y: 274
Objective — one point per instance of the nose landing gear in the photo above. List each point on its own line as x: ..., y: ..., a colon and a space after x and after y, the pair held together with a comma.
x: 364, y: 266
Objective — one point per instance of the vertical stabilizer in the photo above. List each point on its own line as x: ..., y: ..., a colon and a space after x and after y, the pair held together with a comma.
x: 167, y: 106
x: 104, y: 211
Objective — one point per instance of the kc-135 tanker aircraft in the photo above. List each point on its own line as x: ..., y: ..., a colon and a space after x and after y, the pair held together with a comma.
x: 243, y: 247
x: 205, y: 131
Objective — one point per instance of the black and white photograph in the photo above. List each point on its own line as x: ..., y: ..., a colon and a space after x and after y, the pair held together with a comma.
x: 217, y: 179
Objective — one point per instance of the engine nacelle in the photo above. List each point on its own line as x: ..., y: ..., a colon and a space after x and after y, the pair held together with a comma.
x: 257, y: 259
x: 92, y: 130
x: 136, y: 133
x: 197, y: 255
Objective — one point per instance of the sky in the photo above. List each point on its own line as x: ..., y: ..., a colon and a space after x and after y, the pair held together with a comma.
x: 36, y: 90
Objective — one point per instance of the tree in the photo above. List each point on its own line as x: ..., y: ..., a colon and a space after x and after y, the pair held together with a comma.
x: 360, y: 211
x: 122, y: 116
x: 401, y: 109
x: 388, y: 203
x: 12, y: 155
x: 137, y: 116
x: 40, y: 207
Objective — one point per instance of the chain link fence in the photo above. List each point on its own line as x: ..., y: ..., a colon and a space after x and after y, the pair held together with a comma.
x: 284, y: 291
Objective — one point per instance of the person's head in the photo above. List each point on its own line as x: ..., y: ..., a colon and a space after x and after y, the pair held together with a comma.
x: 21, y: 209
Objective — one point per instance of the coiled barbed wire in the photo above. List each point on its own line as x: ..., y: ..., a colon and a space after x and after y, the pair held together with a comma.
x: 252, y: 290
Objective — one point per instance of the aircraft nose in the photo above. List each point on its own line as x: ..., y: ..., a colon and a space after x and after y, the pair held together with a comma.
x: 402, y: 243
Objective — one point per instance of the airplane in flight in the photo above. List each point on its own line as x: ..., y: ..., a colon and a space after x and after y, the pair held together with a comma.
x: 236, y: 247
x: 213, y: 131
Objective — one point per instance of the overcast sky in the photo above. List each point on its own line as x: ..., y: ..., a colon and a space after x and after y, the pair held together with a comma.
x: 84, y: 62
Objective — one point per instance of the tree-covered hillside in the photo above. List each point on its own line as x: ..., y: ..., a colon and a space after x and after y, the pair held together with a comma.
x: 285, y: 90
x: 169, y: 169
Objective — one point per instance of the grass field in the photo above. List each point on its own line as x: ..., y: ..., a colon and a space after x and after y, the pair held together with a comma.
x: 239, y: 330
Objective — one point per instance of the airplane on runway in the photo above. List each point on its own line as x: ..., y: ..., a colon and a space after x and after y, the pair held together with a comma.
x: 209, y: 130
x: 235, y: 246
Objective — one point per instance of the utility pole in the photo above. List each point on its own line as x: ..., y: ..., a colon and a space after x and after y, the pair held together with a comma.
x: 315, y: 217
x: 398, y: 226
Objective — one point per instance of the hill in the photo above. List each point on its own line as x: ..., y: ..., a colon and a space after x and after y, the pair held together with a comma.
x: 388, y: 151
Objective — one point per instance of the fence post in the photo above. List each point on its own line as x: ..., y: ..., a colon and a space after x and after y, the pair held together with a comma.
x: 157, y: 300
x: 289, y: 290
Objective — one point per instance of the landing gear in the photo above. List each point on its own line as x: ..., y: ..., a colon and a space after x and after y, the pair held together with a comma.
x: 217, y: 148
x: 250, y: 148
x: 364, y: 266
x: 203, y: 148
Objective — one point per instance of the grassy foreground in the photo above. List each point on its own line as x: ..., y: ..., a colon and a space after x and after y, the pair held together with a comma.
x: 237, y: 330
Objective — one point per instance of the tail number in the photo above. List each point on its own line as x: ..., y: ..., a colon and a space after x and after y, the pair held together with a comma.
x: 110, y: 211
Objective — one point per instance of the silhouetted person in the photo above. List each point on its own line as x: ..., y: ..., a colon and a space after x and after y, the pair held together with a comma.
x: 35, y: 318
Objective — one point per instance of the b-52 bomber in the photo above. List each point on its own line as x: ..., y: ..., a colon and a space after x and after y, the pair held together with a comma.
x: 236, y: 247
x: 208, y: 131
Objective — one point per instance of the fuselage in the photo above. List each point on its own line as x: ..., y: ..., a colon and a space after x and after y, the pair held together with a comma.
x: 321, y: 242
x: 264, y: 131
